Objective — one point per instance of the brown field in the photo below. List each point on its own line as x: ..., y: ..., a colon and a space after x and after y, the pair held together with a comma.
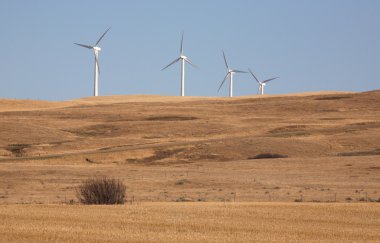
x: 324, y: 147
x: 192, y: 222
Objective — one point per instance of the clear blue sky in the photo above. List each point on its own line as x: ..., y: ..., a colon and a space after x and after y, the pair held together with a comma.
x: 311, y: 45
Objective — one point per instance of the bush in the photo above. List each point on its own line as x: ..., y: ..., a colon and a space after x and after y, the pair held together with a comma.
x: 101, y: 191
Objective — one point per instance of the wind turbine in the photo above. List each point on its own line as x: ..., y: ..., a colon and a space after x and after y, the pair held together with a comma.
x: 183, y: 59
x: 96, y: 50
x: 230, y: 73
x: 261, y: 83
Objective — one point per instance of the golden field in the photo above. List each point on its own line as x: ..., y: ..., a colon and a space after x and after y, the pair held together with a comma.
x: 191, y: 168
x: 191, y: 222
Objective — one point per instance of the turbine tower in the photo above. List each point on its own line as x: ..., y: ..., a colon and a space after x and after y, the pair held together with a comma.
x: 261, y: 83
x: 230, y: 73
x: 183, y: 59
x: 96, y: 50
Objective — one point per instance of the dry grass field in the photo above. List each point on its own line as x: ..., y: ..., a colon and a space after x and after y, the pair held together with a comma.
x: 318, y: 148
x: 192, y: 222
x: 194, y: 149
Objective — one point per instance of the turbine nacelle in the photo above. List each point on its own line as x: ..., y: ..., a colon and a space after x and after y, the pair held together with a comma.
x: 183, y: 57
x: 97, y: 48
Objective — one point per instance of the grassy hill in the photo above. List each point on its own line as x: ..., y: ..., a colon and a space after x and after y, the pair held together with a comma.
x: 194, y: 148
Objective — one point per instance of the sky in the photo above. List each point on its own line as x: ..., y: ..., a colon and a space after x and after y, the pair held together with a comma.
x: 324, y: 45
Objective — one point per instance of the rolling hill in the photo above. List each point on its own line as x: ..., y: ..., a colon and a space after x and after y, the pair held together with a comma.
x: 316, y: 147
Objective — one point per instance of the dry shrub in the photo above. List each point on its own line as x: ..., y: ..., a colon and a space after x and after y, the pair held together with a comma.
x: 101, y: 191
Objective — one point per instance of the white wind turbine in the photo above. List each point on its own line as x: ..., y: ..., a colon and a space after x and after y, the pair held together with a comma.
x: 183, y: 59
x: 96, y: 50
x: 261, y: 83
x: 230, y: 73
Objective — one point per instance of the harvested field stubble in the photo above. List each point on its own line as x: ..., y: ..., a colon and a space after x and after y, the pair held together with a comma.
x: 191, y: 222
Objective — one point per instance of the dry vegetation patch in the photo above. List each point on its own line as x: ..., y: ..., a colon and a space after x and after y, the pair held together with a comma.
x: 171, y: 118
x: 268, y: 156
x: 17, y: 149
x: 101, y: 190
x: 334, y: 97
x: 361, y: 153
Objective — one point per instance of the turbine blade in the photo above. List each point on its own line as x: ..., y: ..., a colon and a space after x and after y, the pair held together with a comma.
x: 192, y: 64
x: 254, y: 75
x: 225, y: 60
x: 239, y: 71
x: 224, y: 80
x: 176, y: 60
x: 265, y: 81
x: 85, y: 46
x: 181, y: 50
x: 101, y: 37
